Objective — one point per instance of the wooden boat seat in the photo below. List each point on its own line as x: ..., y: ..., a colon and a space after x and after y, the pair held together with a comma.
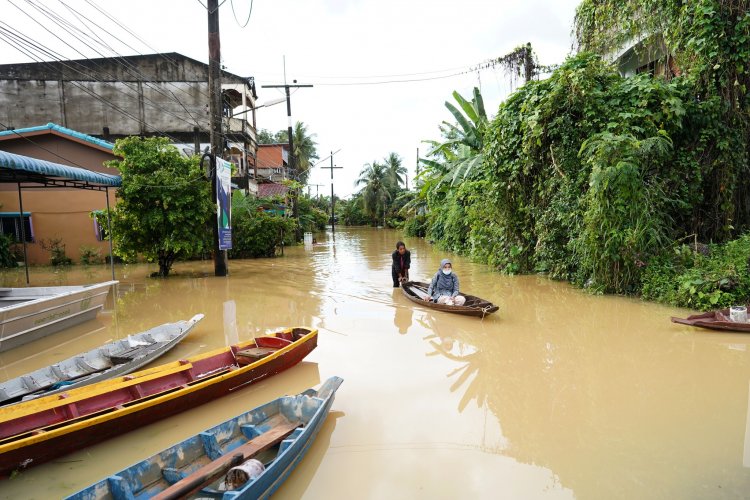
x: 252, y: 354
x: 132, y: 353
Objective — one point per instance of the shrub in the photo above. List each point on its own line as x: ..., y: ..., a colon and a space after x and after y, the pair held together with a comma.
x: 90, y: 255
x: 56, y: 248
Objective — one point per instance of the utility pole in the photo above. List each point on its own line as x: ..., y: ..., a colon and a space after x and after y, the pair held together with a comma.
x: 215, y: 105
x: 333, y: 200
x: 292, y: 159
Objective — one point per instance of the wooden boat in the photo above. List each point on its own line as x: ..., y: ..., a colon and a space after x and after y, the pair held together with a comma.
x: 28, y: 314
x: 474, y: 306
x: 714, y: 320
x: 110, y: 360
x: 270, y: 440
x: 35, y: 431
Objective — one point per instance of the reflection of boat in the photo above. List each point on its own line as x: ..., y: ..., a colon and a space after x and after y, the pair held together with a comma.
x: 277, y: 434
x: 35, y: 431
x: 110, y: 360
x: 474, y: 306
x: 32, y: 313
x: 714, y: 320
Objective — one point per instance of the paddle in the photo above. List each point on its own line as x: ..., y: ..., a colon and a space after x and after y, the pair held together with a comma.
x: 214, y: 470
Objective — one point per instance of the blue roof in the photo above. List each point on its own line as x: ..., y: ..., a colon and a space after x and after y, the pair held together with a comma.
x: 61, y: 130
x: 41, y: 169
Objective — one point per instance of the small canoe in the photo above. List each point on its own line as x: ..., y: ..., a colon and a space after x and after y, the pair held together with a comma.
x: 714, y: 320
x: 35, y: 431
x: 28, y: 314
x: 474, y: 306
x: 110, y: 360
x: 246, y: 457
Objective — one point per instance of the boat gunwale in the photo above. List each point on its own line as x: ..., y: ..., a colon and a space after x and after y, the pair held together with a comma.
x: 150, y: 401
x: 83, y: 288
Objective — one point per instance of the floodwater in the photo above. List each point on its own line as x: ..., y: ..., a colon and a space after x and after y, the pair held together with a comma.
x: 558, y: 395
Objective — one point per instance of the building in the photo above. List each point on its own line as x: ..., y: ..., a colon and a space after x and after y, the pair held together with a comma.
x: 59, y: 212
x: 270, y: 170
x: 109, y: 98
x: 646, y: 54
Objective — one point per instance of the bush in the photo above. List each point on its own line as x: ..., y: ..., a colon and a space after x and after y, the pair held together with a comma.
x: 8, y: 257
x: 90, y: 255
x: 690, y: 278
x: 255, y: 231
x: 56, y: 248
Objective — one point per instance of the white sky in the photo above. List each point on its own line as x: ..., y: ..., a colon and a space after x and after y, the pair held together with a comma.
x: 340, y: 41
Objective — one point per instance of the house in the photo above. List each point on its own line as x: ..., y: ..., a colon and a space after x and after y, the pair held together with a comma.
x: 270, y: 170
x: 59, y: 212
x: 163, y: 94
x: 645, y: 54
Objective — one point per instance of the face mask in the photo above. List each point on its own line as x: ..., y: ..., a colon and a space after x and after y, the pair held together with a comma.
x: 446, y: 272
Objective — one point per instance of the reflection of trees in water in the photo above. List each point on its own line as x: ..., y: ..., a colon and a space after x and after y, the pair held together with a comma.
x: 591, y: 387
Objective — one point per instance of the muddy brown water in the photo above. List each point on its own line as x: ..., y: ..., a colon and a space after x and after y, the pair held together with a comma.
x: 558, y: 395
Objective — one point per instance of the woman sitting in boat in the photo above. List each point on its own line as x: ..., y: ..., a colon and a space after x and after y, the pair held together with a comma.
x: 444, y: 286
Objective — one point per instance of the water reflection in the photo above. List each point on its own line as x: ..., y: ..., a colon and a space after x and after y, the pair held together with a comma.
x: 402, y: 318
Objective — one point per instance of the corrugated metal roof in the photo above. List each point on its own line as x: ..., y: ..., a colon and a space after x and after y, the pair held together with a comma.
x: 272, y: 189
x: 56, y: 171
x: 53, y: 127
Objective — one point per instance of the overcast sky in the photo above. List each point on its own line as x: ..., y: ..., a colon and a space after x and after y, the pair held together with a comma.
x: 333, y: 44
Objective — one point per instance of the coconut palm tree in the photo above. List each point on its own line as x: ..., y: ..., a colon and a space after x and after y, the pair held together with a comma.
x: 305, y: 149
x: 396, y: 171
x: 375, y: 192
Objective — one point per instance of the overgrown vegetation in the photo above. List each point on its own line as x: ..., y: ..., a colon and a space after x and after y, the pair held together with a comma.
x: 8, y: 257
x: 259, y: 227
x: 592, y: 177
x: 90, y: 255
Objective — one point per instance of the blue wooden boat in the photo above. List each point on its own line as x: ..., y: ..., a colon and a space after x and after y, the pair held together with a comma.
x: 261, y: 446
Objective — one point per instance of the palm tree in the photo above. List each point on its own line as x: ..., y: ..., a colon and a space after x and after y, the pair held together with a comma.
x: 305, y: 149
x: 375, y: 193
x: 396, y: 171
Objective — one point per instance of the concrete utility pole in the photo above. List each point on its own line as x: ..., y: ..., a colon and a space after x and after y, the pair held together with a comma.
x: 215, y: 110
x: 292, y: 159
x: 333, y: 200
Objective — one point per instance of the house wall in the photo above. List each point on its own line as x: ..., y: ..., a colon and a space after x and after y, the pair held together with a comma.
x: 59, y: 212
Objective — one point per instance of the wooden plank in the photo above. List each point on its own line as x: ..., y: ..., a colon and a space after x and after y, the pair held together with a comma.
x: 214, y: 470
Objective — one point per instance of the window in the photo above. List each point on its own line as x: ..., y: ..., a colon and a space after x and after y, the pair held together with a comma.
x: 101, y: 231
x: 10, y: 225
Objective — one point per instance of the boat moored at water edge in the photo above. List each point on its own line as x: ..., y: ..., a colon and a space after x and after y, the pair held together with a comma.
x: 28, y: 314
x: 714, y: 320
x: 38, y: 430
x: 474, y: 306
x: 246, y: 457
x: 116, y: 358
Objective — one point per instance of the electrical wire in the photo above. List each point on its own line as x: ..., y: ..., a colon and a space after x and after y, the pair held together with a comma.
x: 51, y: 15
x: 384, y: 82
x: 243, y: 26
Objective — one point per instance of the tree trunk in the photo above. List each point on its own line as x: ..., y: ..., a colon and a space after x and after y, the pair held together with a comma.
x: 165, y: 263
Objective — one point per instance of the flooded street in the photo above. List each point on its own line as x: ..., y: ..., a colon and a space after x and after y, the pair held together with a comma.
x: 560, y: 394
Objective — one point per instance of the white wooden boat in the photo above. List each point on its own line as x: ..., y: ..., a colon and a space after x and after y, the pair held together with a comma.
x: 28, y: 314
x: 110, y: 360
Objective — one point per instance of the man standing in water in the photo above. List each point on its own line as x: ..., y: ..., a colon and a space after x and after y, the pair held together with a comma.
x: 401, y: 263
x: 444, y: 286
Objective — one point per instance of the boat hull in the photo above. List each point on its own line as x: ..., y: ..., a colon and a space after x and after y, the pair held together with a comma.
x: 714, y: 320
x: 476, y: 306
x: 59, y: 439
x: 147, y: 478
x: 47, y: 310
x: 97, y: 364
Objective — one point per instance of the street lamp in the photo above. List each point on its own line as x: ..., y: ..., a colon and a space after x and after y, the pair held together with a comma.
x: 264, y: 105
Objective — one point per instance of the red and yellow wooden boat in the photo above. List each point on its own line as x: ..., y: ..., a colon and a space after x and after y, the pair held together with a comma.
x: 35, y: 431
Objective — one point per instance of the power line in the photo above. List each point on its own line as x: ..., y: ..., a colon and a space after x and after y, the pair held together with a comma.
x: 247, y: 21
x: 384, y: 82
x: 9, y: 36
x: 51, y: 14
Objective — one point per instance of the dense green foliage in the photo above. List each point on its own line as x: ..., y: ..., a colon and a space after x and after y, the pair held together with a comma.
x: 8, y: 257
x: 164, y: 205
x: 592, y: 177
x: 256, y: 230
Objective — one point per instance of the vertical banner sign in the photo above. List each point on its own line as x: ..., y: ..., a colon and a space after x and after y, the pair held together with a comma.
x: 224, y: 205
